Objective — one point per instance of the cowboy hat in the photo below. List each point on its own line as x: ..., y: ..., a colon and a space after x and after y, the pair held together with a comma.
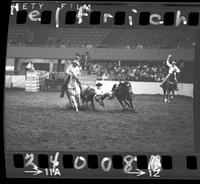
x: 76, y: 62
x: 77, y: 54
x: 99, y: 84
x: 173, y: 62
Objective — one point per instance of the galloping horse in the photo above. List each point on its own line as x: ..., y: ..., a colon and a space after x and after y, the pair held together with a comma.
x: 73, y: 92
x: 169, y: 87
x: 123, y: 93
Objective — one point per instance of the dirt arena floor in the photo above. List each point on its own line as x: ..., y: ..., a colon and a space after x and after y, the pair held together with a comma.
x: 41, y: 122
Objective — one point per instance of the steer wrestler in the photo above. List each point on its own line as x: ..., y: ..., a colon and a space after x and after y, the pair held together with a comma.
x: 100, y: 96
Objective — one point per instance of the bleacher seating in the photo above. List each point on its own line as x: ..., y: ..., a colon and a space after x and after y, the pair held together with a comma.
x: 151, y: 38
x: 77, y: 37
x: 86, y: 79
x: 115, y: 38
x: 20, y: 35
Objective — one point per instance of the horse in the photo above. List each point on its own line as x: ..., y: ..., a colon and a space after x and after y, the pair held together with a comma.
x: 124, y: 95
x: 73, y: 92
x: 169, y: 87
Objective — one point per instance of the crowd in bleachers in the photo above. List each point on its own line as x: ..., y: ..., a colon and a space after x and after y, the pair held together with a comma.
x: 20, y: 35
x: 83, y: 37
x: 141, y: 71
x: 21, y: 40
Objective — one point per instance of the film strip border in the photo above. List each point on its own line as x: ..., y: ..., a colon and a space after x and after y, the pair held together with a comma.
x: 101, y: 165
x: 64, y: 14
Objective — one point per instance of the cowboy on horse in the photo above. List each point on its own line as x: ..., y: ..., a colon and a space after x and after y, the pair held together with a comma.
x: 73, y: 69
x: 173, y: 69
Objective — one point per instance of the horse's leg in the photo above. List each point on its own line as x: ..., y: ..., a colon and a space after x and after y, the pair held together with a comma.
x: 172, y: 96
x: 78, y: 99
x: 92, y: 102
x: 83, y: 102
x: 75, y: 103
x: 120, y: 101
x: 168, y: 96
x: 70, y: 101
x: 86, y: 104
x: 69, y: 105
x: 126, y: 103
x: 165, y: 95
x: 131, y: 104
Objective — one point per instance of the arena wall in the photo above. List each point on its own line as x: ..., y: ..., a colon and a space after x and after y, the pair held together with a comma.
x: 152, y: 88
x: 17, y: 81
x: 100, y: 53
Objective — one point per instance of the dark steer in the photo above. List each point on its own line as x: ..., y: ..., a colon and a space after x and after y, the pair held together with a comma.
x: 88, y: 95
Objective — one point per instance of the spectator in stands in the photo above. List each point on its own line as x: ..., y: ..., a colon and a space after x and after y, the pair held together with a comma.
x: 105, y: 76
x: 139, y: 71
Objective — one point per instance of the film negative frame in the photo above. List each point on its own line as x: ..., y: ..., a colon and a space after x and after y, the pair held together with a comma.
x: 115, y: 165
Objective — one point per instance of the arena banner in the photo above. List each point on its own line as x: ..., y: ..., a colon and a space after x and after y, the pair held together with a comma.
x: 102, y: 90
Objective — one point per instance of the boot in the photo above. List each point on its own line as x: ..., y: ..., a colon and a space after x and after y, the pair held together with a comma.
x: 62, y: 95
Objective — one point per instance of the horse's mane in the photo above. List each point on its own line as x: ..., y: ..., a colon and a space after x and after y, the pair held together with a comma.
x: 125, y: 84
x: 114, y: 87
